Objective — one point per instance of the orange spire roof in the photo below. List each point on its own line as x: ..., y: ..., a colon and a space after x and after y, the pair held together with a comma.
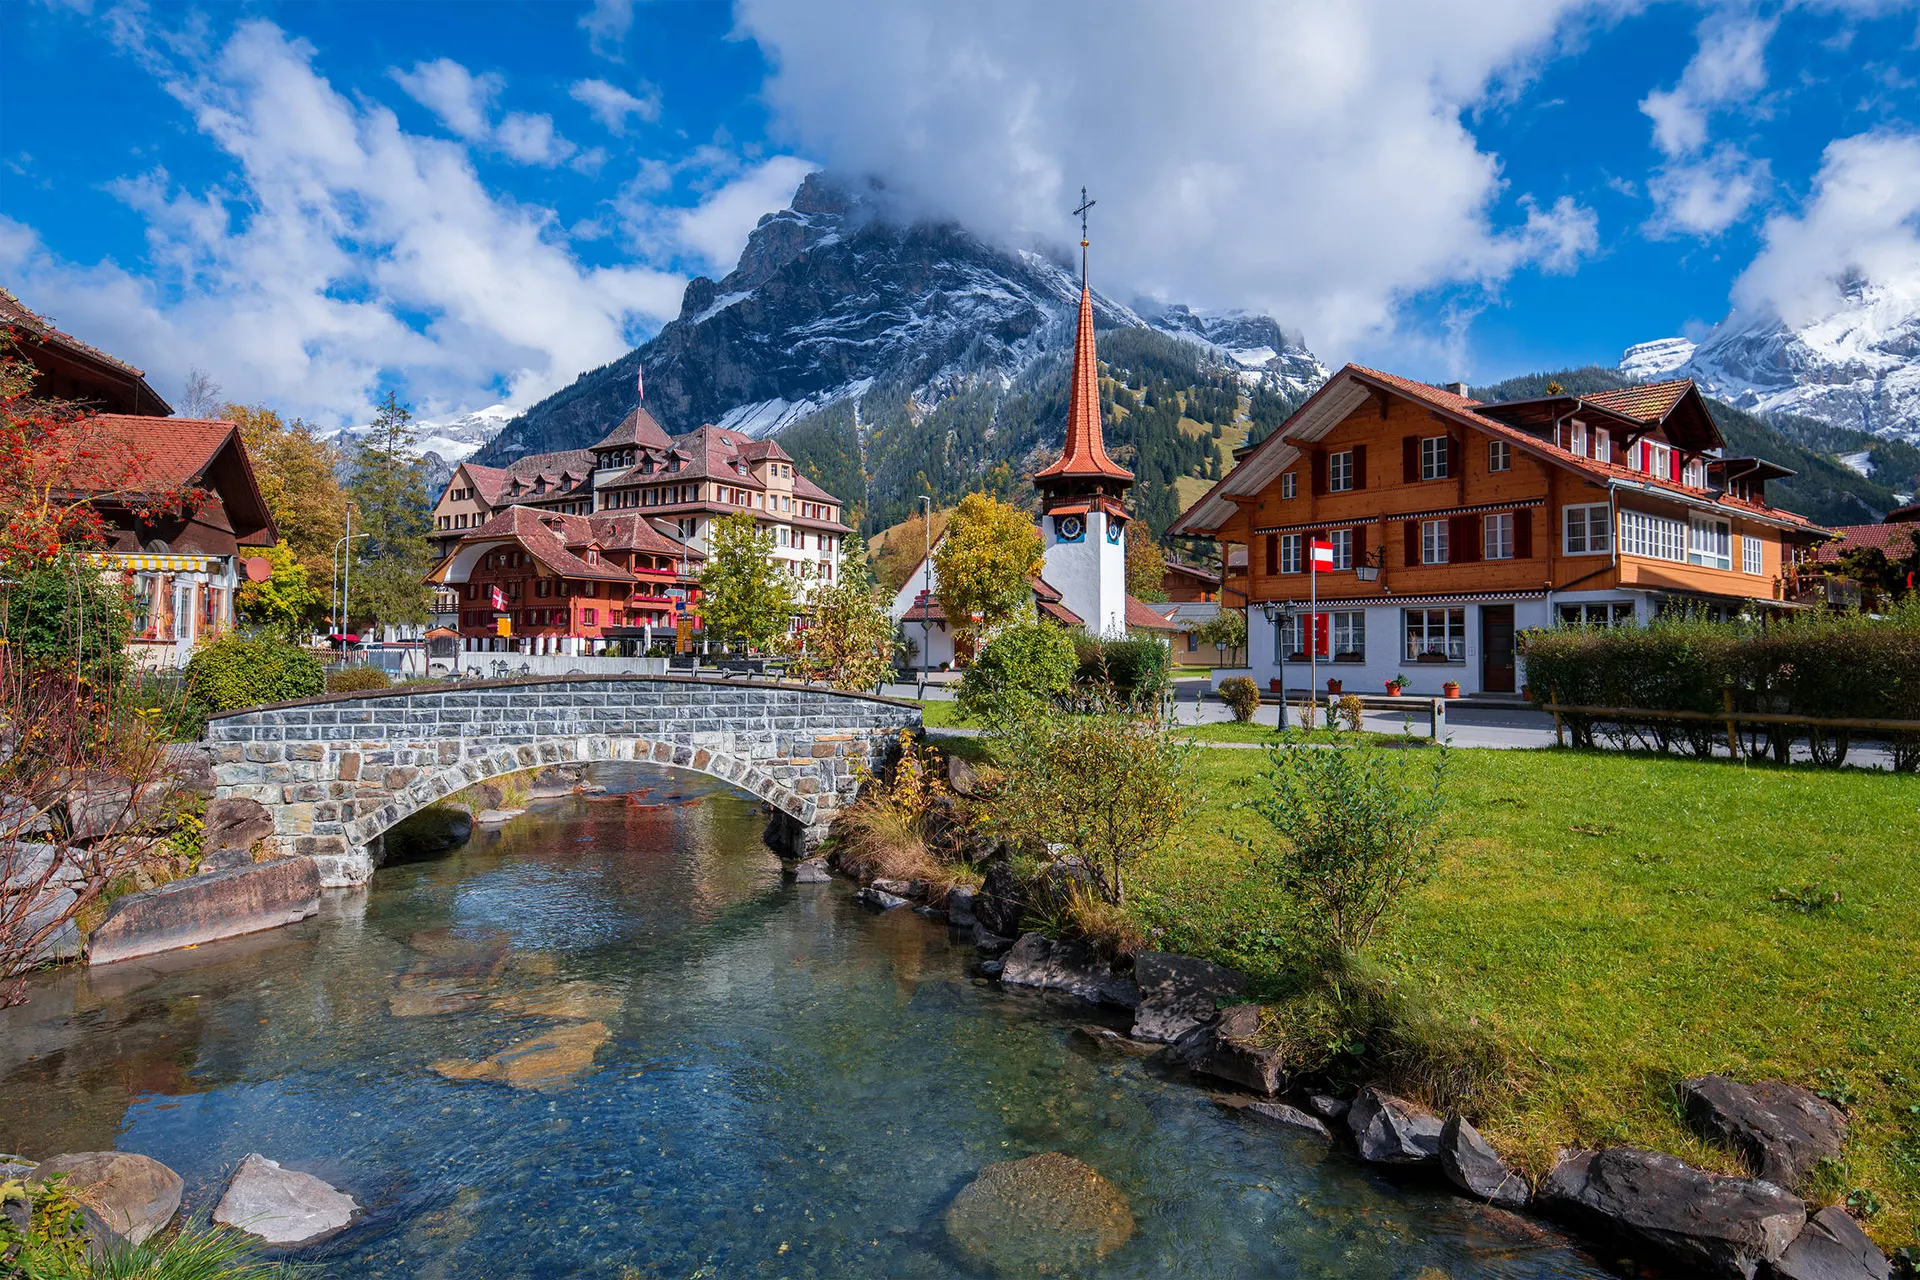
x: 1085, y: 454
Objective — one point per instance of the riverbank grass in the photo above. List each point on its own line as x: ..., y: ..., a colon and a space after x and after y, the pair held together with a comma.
x: 1618, y: 923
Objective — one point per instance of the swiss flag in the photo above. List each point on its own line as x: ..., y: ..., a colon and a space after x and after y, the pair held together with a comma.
x: 499, y: 599
x: 1322, y: 554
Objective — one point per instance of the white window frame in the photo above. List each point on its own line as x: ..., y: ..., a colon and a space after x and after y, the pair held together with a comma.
x: 1499, y: 455
x: 1497, y: 536
x: 1340, y: 471
x: 182, y: 610
x: 1593, y: 525
x: 1602, y: 444
x: 1433, y: 457
x: 1580, y: 438
x: 1603, y: 613
x: 1290, y: 553
x: 1753, y: 555
x: 1694, y: 474
x: 1656, y: 459
x: 1289, y: 485
x: 1450, y: 636
x: 1434, y: 538
x: 1290, y: 637
x: 1710, y: 542
x: 1350, y: 626
x: 1653, y: 537
x: 1342, y: 540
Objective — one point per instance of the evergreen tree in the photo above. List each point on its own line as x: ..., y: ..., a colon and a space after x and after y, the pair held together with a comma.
x: 745, y: 596
x: 391, y: 507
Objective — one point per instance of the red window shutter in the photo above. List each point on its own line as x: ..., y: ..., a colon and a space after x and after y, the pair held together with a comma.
x: 1453, y: 455
x: 1673, y: 459
x: 1410, y: 460
x: 1464, y: 539
x: 1359, y: 466
x: 1523, y: 535
x: 1273, y: 553
x: 1319, y: 472
x: 1413, y: 538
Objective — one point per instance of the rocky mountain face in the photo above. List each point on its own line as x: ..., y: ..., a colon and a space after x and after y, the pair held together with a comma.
x: 844, y: 324
x: 1856, y: 367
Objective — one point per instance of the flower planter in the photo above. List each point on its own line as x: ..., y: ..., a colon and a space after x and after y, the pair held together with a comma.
x: 1526, y: 691
x: 1393, y: 690
x: 1276, y: 686
x: 1333, y: 686
x: 1451, y: 689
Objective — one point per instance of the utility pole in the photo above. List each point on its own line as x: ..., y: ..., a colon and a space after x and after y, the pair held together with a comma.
x: 926, y: 594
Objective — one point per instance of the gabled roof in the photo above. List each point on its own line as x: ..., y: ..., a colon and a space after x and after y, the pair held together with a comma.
x: 632, y: 531
x: 1142, y: 616
x: 1649, y: 402
x: 490, y: 483
x: 135, y: 456
x: 638, y: 428
x: 123, y: 377
x: 805, y: 488
x: 1354, y: 384
x: 1205, y: 577
x: 546, y: 536
x: 1676, y: 408
x: 1889, y: 538
x: 1084, y: 455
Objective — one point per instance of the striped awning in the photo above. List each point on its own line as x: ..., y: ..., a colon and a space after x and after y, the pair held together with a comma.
x: 143, y: 562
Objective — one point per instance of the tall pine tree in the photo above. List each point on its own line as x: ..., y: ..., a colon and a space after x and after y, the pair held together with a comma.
x: 391, y: 507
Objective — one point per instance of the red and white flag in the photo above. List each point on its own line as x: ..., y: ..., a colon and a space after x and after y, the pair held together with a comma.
x: 1322, y: 554
x: 499, y: 600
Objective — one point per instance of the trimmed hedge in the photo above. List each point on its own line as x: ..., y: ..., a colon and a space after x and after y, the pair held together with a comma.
x: 1136, y: 672
x: 1833, y: 666
x: 234, y: 672
x: 1031, y: 660
x: 358, y: 679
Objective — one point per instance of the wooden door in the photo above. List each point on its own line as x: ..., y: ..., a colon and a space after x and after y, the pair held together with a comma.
x: 1496, y: 648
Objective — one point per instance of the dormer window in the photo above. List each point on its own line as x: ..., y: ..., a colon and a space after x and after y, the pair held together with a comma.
x: 593, y: 557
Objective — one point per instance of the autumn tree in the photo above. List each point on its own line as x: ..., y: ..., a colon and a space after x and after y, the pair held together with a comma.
x: 287, y: 602
x: 899, y: 555
x: 848, y: 641
x: 391, y: 507
x: 1146, y: 564
x: 298, y: 476
x: 745, y: 595
x: 985, y: 564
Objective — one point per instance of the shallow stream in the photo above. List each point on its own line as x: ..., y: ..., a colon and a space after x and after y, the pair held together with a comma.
x: 607, y: 1040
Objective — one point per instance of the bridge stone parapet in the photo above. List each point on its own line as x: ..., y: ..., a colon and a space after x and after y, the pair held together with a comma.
x: 337, y: 772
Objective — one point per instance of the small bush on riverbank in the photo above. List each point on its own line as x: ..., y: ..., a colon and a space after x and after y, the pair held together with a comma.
x: 357, y: 679
x: 232, y: 672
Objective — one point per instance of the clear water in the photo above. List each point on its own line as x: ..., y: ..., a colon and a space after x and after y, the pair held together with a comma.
x: 763, y: 1079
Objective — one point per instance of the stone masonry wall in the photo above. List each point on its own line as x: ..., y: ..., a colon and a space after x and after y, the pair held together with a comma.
x: 338, y: 772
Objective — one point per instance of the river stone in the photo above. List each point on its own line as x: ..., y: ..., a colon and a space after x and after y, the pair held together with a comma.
x: 1069, y: 967
x: 494, y: 817
x: 1329, y: 1108
x: 134, y: 1194
x: 988, y: 941
x: 1178, y: 993
x: 1044, y: 1215
x: 234, y: 823
x: 546, y: 1063
x: 1291, y: 1118
x: 1717, y: 1225
x: 1108, y: 1038
x: 1473, y: 1166
x: 881, y: 899
x: 812, y: 871
x: 898, y: 888
x: 1001, y: 901
x: 1225, y: 1048
x: 283, y: 1207
x: 1832, y: 1247
x: 222, y: 904
x: 1390, y: 1130
x: 960, y: 906
x: 1780, y: 1131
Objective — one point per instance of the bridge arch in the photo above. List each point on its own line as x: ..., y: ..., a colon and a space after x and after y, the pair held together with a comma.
x: 338, y: 772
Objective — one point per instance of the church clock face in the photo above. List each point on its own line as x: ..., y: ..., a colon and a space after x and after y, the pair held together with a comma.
x: 1114, y: 528
x: 1072, y: 528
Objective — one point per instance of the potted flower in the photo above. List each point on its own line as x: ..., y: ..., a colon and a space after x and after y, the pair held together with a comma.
x: 1396, y: 685
x: 1526, y: 691
x: 1276, y: 685
x: 1333, y: 685
x: 1451, y: 689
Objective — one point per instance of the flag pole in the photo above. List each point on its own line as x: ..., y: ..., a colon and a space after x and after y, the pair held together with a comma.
x: 1313, y: 633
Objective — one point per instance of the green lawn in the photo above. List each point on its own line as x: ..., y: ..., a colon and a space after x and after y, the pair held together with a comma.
x: 943, y: 713
x: 1231, y: 731
x: 1616, y: 921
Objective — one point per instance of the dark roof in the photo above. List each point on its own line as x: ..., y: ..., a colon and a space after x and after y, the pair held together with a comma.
x: 1206, y: 577
x: 125, y: 387
x: 637, y: 428
x: 131, y: 456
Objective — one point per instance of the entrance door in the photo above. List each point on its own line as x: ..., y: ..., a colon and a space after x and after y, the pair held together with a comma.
x: 1496, y: 648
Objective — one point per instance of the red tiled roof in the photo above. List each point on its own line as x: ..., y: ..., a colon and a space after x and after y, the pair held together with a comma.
x: 16, y: 313
x: 633, y: 531
x: 805, y: 488
x: 1889, y: 538
x: 1084, y: 454
x: 1650, y: 402
x: 490, y: 483
x: 925, y: 608
x: 1141, y: 616
x: 535, y: 531
x: 150, y: 455
x: 1060, y: 613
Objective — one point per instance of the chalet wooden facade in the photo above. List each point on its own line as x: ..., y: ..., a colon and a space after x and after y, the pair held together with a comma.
x: 1456, y: 524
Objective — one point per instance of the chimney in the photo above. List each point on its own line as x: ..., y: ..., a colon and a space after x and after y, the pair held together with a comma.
x: 1459, y: 389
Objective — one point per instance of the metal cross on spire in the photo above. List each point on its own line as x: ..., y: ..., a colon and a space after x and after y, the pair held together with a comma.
x: 1085, y: 204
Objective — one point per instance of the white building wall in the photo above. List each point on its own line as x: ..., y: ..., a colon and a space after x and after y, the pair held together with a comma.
x: 1386, y: 651
x: 1090, y: 575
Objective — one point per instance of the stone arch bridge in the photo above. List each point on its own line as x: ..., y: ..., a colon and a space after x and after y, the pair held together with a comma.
x: 337, y: 772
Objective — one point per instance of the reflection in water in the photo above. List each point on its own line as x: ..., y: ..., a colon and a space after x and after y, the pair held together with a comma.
x: 606, y: 1040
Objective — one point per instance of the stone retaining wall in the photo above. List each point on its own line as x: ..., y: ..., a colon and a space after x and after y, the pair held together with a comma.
x: 337, y: 772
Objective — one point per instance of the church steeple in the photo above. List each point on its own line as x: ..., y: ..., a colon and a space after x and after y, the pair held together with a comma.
x: 1083, y: 468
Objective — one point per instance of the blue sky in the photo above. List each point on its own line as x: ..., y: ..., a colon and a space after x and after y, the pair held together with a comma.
x: 475, y: 202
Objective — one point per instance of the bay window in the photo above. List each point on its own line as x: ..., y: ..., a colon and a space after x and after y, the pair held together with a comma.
x: 1655, y: 537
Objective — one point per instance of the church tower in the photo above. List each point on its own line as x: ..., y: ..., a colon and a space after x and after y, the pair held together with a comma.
x: 1083, y: 493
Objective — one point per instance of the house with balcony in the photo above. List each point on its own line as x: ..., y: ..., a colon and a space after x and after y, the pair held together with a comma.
x: 1454, y: 525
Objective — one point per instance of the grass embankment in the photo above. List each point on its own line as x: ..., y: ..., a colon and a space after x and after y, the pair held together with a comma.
x: 1619, y: 923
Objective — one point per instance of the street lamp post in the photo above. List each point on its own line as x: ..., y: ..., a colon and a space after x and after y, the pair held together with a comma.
x: 926, y: 595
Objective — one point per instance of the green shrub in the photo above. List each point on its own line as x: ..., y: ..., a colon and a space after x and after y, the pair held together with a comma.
x: 357, y: 679
x: 66, y: 614
x: 1241, y: 694
x: 1031, y: 661
x: 1133, y: 672
x: 233, y: 672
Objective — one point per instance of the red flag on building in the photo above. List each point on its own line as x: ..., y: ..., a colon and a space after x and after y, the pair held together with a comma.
x: 499, y: 600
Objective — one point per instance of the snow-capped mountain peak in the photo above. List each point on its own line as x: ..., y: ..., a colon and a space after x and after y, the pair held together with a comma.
x: 1657, y: 359
x: 453, y: 437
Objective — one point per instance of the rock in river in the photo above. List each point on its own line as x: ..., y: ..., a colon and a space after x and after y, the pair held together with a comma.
x: 203, y: 908
x: 1227, y: 1048
x: 1716, y: 1225
x: 1044, y: 1215
x: 284, y: 1207
x: 1780, y: 1131
x: 1390, y: 1130
x: 1473, y: 1166
x: 1072, y: 968
x: 1178, y: 993
x: 136, y: 1195
x: 547, y: 1062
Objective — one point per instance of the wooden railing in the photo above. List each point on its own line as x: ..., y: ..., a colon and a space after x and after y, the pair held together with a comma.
x: 1728, y: 717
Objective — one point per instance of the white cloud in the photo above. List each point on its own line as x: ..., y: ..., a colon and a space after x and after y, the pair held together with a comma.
x: 1558, y: 238
x: 1728, y: 68
x: 1305, y: 158
x: 461, y: 99
x: 531, y: 139
x: 607, y: 24
x: 1706, y: 196
x: 716, y: 229
x: 611, y: 105
x: 1861, y: 220
x: 341, y: 254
